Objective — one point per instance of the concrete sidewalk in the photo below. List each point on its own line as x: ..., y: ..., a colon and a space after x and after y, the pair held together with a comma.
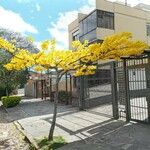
x: 84, y: 130
x: 87, y: 131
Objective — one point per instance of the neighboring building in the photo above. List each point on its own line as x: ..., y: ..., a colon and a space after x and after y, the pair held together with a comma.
x: 109, y: 18
x: 40, y: 85
x: 36, y: 85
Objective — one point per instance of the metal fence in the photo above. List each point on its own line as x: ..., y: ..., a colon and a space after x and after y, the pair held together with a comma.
x: 98, y: 90
x: 121, y: 89
x: 133, y: 76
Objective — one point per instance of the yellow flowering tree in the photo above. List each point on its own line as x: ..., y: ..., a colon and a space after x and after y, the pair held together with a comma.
x: 9, y: 79
x: 81, y: 61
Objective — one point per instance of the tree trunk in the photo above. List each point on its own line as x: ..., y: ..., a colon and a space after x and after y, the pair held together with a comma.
x: 51, y: 132
x: 50, y: 89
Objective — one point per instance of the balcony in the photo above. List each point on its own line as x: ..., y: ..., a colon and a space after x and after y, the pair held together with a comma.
x: 87, y: 27
x: 96, y: 19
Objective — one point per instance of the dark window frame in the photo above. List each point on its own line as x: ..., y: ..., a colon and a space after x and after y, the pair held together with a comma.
x: 148, y: 29
x: 103, y: 15
x: 87, y: 33
x: 75, y: 35
x: 85, y: 18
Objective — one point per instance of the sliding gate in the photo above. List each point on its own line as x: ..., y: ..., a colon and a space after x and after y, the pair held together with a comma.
x: 98, y: 91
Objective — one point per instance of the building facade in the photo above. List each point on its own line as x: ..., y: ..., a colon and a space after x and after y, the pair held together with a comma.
x: 109, y: 18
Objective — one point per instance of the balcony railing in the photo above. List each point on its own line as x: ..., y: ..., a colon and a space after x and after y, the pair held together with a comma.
x: 90, y: 36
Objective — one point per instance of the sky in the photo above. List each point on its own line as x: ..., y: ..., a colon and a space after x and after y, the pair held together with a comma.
x: 46, y: 19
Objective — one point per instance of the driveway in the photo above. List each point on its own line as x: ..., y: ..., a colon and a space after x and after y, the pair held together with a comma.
x: 83, y: 130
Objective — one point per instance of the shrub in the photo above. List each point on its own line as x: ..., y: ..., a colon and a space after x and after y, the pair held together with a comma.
x: 10, y: 101
x: 64, y: 96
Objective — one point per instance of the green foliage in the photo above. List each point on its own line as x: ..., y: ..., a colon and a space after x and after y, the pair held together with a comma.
x: 3, y: 91
x: 22, y: 77
x: 10, y: 101
x: 11, y: 80
x: 32, y: 147
x: 45, y: 144
x: 63, y: 96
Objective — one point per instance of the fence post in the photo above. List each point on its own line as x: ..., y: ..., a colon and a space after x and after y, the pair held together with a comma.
x: 66, y: 79
x: 70, y: 99
x: 81, y: 93
x: 147, y: 72
x: 114, y: 91
x: 127, y: 97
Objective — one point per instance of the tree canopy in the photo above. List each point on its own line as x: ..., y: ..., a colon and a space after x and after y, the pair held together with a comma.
x: 10, y: 79
x: 80, y: 60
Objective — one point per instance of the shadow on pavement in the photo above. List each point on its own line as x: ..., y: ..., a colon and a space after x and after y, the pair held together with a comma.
x: 114, y: 136
x: 32, y: 108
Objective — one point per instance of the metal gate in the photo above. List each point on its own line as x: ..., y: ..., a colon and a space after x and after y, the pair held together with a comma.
x: 119, y: 89
x: 133, y: 76
x: 99, y: 90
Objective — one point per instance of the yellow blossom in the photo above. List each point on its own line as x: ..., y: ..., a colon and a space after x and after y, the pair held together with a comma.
x: 80, y: 60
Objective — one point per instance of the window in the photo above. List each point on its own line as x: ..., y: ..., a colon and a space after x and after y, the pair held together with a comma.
x: 87, y: 27
x: 88, y: 24
x: 91, y: 36
x: 75, y: 35
x: 81, y: 28
x: 98, y: 18
x: 105, y: 19
x: 148, y: 28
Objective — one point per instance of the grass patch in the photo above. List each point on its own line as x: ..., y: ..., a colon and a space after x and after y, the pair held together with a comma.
x: 45, y: 144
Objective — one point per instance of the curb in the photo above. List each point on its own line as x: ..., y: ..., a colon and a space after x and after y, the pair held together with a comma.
x: 28, y: 136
